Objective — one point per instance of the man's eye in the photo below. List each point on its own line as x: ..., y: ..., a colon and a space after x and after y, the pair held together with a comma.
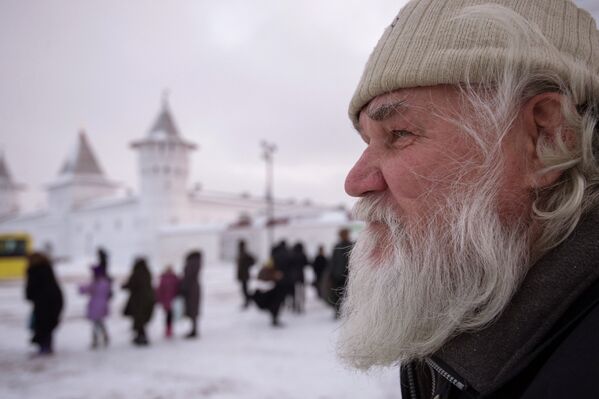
x: 399, y: 134
x: 399, y: 137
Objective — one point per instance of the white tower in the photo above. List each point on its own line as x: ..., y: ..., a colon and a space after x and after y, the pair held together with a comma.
x: 163, y: 167
x: 79, y: 181
x: 9, y: 191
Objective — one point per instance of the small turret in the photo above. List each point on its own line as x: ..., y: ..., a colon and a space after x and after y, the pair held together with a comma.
x: 9, y: 191
x: 80, y: 179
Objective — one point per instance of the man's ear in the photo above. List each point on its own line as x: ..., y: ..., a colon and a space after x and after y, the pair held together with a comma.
x: 544, y: 125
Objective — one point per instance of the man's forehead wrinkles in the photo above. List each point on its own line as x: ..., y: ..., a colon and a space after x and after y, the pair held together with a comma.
x: 380, y: 112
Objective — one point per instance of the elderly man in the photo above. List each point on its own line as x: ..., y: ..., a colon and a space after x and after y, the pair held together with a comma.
x: 478, y: 268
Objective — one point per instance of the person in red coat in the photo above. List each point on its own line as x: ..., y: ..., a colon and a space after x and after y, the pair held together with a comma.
x: 167, y: 290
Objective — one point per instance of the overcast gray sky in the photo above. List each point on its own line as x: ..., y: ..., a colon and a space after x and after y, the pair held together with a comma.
x: 238, y: 71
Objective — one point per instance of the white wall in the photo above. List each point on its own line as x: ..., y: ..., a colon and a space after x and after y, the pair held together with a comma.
x: 116, y: 228
x: 173, y: 246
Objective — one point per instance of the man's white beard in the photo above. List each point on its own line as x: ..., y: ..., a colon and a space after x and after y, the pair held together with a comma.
x: 411, y: 289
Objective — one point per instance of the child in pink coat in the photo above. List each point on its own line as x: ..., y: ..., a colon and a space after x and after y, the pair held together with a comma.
x: 167, y: 290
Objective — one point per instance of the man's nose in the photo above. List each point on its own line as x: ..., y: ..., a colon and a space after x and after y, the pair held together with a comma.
x: 365, y: 177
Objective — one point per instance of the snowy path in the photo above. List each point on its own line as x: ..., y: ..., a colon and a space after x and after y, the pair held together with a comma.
x: 238, y: 356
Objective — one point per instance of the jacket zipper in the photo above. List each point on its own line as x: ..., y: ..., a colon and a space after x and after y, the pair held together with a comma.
x: 445, y: 374
x: 411, y: 384
x: 433, y: 380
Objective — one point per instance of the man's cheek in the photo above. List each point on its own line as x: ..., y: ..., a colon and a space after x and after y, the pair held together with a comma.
x: 412, y: 181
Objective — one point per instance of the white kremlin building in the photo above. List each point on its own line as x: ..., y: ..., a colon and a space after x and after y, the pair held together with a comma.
x: 165, y: 219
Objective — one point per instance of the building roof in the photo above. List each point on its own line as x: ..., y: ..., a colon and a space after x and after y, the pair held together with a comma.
x: 164, y: 130
x: 82, y: 160
x: 4, y: 171
x: 164, y: 126
x: 6, y: 179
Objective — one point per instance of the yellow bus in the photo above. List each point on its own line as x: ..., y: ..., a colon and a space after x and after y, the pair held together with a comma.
x: 14, y: 249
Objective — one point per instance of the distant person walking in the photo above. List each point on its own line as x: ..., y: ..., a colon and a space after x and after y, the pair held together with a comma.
x: 140, y: 304
x: 281, y: 260
x: 99, y: 291
x: 167, y: 291
x: 244, y: 262
x: 191, y: 291
x: 273, y: 298
x: 284, y: 279
x: 298, y: 260
x: 103, y: 260
x: 319, y: 265
x: 43, y: 291
x: 338, y: 270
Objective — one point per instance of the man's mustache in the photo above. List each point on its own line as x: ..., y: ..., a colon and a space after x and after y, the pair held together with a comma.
x: 375, y: 208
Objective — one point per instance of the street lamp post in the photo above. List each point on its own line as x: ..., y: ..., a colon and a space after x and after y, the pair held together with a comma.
x: 268, y: 150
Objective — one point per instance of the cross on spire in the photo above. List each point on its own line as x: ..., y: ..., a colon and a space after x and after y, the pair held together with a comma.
x: 165, y: 94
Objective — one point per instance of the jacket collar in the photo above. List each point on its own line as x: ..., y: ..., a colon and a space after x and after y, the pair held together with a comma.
x: 488, y: 358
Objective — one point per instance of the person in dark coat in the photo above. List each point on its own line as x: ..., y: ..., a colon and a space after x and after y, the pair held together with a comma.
x: 285, y: 285
x: 244, y: 262
x: 277, y: 271
x: 298, y: 260
x: 43, y: 291
x: 319, y: 264
x: 190, y: 290
x: 338, y: 270
x: 102, y: 263
x: 166, y: 292
x: 282, y: 259
x: 140, y: 305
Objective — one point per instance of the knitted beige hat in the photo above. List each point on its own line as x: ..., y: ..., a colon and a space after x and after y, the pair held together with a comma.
x: 434, y: 42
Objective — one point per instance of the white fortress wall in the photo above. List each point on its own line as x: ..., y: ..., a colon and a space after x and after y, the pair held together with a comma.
x: 115, y: 225
x: 175, y: 242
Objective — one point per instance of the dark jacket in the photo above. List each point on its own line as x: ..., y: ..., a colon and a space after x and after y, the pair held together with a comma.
x: 339, y: 261
x: 298, y: 260
x: 319, y: 264
x: 282, y: 260
x: 244, y: 262
x: 43, y: 291
x: 544, y: 345
x: 190, y: 286
x: 140, y: 304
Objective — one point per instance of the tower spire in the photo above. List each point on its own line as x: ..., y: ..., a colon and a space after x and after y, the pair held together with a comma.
x: 163, y: 129
x: 9, y: 201
x: 4, y: 171
x: 82, y: 160
x: 165, y: 94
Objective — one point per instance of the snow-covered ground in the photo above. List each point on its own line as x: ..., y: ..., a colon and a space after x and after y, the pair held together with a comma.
x: 238, y: 355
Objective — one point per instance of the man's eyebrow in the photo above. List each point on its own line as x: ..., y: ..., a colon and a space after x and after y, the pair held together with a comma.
x: 386, y: 110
